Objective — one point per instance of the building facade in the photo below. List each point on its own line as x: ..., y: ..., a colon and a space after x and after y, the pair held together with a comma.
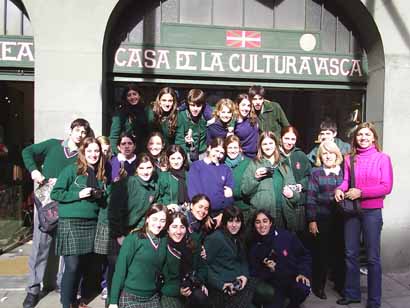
x: 345, y: 59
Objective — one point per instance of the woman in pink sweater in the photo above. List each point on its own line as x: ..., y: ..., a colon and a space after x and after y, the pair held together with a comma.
x: 374, y: 180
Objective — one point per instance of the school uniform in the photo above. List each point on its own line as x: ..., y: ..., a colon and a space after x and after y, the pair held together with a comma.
x: 185, y: 122
x: 267, y: 193
x: 168, y: 188
x: 215, y: 128
x: 56, y: 155
x: 297, y: 160
x: 162, y: 127
x: 226, y: 260
x: 248, y: 135
x: 118, y: 162
x: 139, y: 263
x: 77, y: 217
x: 210, y: 180
x: 131, y: 120
x: 238, y: 167
x: 291, y: 259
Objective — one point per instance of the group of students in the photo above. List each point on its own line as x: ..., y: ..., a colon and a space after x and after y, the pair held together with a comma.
x: 187, y: 205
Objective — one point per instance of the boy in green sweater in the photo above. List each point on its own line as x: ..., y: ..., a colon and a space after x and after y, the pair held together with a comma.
x: 55, y: 155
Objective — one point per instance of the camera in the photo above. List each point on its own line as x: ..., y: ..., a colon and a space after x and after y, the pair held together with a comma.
x: 295, y: 187
x: 190, y: 280
x: 236, y: 286
x: 97, y: 193
x: 269, y: 171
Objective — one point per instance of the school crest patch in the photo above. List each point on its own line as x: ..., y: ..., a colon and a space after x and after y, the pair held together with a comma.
x: 285, y: 252
x: 151, y: 199
x: 297, y: 165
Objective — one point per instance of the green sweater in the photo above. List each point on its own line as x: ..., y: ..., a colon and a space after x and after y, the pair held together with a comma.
x: 137, y: 267
x: 238, y: 171
x: 53, y: 154
x: 66, y: 192
x: 225, y: 260
x: 161, y: 127
x: 272, y: 118
x: 172, y: 273
x: 167, y: 188
x: 262, y: 195
x: 130, y: 199
x: 198, y: 131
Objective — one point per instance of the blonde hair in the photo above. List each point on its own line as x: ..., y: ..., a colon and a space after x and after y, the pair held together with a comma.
x: 225, y: 102
x: 104, y: 140
x: 330, y: 147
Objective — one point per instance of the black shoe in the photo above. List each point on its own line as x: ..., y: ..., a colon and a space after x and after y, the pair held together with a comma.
x: 320, y: 293
x: 345, y: 301
x: 31, y: 300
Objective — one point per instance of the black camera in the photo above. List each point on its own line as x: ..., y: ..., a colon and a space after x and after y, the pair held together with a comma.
x: 96, y: 193
x: 269, y: 171
x: 190, y: 280
x: 236, y: 286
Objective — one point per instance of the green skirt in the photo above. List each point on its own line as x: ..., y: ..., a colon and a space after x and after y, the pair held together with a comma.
x: 128, y: 300
x: 171, y: 302
x: 102, y: 241
x: 75, y: 236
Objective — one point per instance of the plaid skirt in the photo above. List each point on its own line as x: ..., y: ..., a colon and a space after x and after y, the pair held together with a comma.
x: 242, y: 299
x: 102, y: 242
x: 128, y: 300
x: 75, y: 236
x: 171, y: 302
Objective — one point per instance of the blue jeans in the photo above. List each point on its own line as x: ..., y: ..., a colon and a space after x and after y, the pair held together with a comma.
x: 370, y: 222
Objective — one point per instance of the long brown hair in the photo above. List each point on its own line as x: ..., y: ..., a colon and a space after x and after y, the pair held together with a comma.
x: 252, y: 115
x: 155, y: 208
x: 372, y: 128
x: 263, y: 136
x: 225, y: 102
x: 159, y: 113
x: 82, y: 162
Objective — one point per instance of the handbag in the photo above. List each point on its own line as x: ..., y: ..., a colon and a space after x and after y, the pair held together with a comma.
x: 347, y: 207
x: 47, y: 209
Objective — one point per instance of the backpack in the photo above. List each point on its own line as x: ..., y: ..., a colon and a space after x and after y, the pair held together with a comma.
x: 47, y: 209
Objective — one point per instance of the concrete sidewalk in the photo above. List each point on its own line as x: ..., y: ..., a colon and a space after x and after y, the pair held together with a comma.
x: 396, y: 290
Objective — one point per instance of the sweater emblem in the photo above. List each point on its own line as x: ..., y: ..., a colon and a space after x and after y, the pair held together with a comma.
x: 223, y: 178
x: 297, y: 165
x: 151, y: 199
x: 285, y: 252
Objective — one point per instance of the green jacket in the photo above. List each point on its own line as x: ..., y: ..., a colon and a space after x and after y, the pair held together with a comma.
x: 168, y: 188
x: 225, y: 260
x: 238, y: 171
x: 300, y: 164
x: 162, y: 127
x: 272, y: 118
x: 137, y: 267
x: 134, y: 126
x: 130, y: 199
x: 66, y: 192
x: 54, y: 155
x: 198, y: 131
x: 261, y: 191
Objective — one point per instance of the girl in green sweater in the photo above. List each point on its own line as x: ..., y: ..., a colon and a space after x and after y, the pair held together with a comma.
x: 172, y: 184
x: 130, y: 199
x: 141, y: 260
x: 80, y: 192
x: 238, y: 164
x: 179, y: 277
x: 228, y: 275
x: 162, y: 114
x: 269, y: 184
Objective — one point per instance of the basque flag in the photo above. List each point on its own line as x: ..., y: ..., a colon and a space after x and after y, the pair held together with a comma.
x: 243, y: 39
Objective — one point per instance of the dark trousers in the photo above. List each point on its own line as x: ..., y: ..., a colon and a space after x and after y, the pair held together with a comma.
x: 327, y: 249
x: 296, y: 292
x: 75, y: 268
x: 370, y: 222
x: 112, y: 259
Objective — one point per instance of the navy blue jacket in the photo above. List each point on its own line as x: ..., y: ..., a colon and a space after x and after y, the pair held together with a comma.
x: 286, y: 250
